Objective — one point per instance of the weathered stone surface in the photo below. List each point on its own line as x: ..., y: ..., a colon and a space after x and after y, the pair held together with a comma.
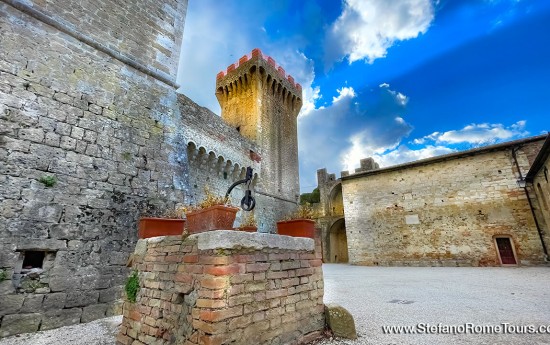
x: 11, y: 304
x: 32, y: 304
x: 42, y: 244
x: 81, y: 298
x: 61, y: 317
x: 19, y: 323
x: 64, y: 283
x: 340, y: 321
x: 93, y: 312
x: 110, y: 295
x: 6, y: 287
x: 228, y: 239
x: 54, y: 301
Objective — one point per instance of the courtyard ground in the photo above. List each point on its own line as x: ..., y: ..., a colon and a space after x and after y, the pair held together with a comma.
x: 407, y: 296
x: 398, y: 296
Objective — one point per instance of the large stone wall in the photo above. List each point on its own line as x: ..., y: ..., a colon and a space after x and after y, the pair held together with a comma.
x: 108, y: 133
x: 445, y: 211
x: 225, y: 287
x: 88, y: 103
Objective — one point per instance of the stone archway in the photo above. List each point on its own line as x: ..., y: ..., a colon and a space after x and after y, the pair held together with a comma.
x: 338, y: 242
x: 336, y: 201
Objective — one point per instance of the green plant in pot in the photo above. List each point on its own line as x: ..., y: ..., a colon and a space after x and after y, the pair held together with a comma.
x: 212, y: 213
x: 298, y: 224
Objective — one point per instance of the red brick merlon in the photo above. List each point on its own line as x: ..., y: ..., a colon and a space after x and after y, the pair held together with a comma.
x: 257, y: 63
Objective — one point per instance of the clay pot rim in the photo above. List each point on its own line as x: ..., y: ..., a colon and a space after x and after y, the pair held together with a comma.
x: 296, y: 220
x: 227, y: 208
x: 162, y: 219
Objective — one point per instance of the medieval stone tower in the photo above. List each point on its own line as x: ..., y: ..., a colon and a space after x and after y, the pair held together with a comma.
x: 262, y: 102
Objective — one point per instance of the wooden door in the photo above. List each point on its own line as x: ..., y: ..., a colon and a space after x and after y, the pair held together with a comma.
x: 506, y: 251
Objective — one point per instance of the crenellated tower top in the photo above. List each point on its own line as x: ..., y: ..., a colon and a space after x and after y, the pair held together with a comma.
x: 239, y: 70
x: 261, y: 101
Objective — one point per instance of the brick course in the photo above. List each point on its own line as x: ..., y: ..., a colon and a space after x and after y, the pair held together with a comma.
x: 224, y: 301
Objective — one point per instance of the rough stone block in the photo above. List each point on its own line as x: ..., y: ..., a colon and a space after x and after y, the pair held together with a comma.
x: 6, y: 287
x: 340, y: 321
x: 63, y: 283
x: 61, y: 317
x: 19, y: 323
x: 32, y: 304
x: 81, y: 298
x: 54, y: 301
x: 11, y: 304
x: 93, y: 312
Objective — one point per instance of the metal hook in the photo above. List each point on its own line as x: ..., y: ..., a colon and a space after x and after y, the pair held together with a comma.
x: 247, y: 202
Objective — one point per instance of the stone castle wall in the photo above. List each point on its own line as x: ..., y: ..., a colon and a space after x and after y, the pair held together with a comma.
x: 108, y: 134
x: 443, y: 212
x: 225, y: 287
x: 218, y: 156
x: 86, y: 104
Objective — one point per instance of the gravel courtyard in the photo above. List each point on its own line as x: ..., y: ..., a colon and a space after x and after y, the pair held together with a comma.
x: 398, y: 296
x: 406, y: 296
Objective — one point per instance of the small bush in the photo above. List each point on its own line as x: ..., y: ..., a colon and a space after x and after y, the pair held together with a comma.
x: 311, y: 198
x: 132, y: 287
x: 48, y: 180
x: 302, y: 212
x: 249, y: 220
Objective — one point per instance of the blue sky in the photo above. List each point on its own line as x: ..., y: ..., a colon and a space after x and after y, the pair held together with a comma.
x: 397, y: 80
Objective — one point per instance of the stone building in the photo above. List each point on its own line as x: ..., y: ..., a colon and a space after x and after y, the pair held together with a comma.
x: 462, y: 209
x: 331, y: 218
x: 92, y: 133
x: 537, y: 182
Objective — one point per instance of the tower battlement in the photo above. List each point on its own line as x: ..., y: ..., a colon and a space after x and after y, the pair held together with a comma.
x: 238, y: 76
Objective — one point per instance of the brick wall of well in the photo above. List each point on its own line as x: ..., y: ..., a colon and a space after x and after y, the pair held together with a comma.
x: 225, y: 287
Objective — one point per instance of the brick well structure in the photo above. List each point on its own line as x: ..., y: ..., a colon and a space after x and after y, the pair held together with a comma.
x: 225, y: 287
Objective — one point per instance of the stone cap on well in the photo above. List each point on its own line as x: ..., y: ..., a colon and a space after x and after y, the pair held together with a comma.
x: 230, y: 239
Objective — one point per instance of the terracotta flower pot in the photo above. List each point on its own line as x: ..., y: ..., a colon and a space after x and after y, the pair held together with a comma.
x: 152, y: 227
x: 217, y: 217
x: 247, y: 228
x: 297, y: 228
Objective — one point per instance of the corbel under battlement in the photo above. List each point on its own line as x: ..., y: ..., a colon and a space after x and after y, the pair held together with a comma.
x: 273, y: 78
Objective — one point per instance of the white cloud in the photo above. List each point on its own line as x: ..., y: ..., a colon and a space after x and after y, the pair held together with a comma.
x: 387, y: 156
x: 344, y: 92
x: 404, y: 154
x: 354, y: 126
x: 477, y: 134
x: 366, y: 29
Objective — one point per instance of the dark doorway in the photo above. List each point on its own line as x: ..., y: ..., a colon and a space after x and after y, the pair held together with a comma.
x: 506, y: 251
x: 338, y: 246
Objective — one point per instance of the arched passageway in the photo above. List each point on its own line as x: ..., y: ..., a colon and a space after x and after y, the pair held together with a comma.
x: 338, y: 242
